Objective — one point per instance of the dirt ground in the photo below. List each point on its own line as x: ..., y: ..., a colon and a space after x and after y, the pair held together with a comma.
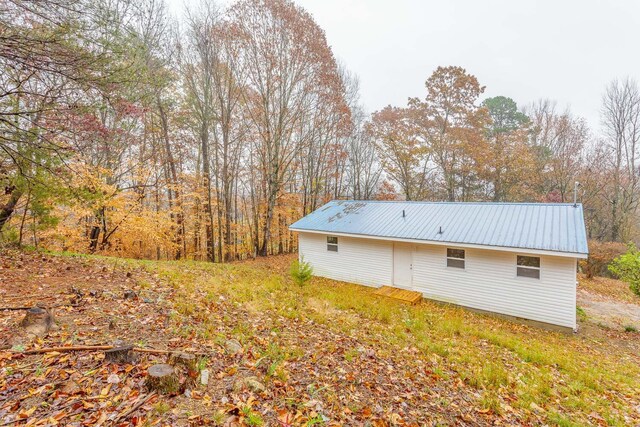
x: 608, y: 302
x: 608, y: 312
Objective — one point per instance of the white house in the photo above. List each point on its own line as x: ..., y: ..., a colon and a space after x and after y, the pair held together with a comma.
x: 517, y: 259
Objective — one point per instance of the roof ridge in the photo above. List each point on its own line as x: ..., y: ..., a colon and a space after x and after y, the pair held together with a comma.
x: 456, y: 203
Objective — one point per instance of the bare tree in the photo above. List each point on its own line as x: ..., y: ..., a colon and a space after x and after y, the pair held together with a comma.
x: 291, y: 70
x: 621, y: 120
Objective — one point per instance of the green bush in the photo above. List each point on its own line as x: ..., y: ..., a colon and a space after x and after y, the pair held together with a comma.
x: 301, y: 271
x: 627, y: 268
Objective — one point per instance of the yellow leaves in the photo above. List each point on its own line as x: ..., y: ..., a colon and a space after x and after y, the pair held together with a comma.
x: 105, y: 391
x: 27, y: 413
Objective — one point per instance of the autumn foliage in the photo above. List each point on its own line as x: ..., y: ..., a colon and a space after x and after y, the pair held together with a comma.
x: 125, y: 137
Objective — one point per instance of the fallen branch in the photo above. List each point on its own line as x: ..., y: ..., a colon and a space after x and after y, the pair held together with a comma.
x: 135, y: 407
x: 38, y: 305
x: 67, y: 349
x: 98, y: 348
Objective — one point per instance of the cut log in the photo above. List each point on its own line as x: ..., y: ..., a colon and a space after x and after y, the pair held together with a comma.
x: 186, y: 366
x: 120, y: 355
x: 184, y: 359
x: 37, y: 321
x: 163, y: 379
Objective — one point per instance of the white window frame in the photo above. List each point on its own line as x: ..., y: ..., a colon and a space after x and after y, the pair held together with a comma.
x: 332, y: 244
x: 527, y: 267
x: 463, y: 259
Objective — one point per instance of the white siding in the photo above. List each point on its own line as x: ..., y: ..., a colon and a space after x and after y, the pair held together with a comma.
x: 488, y: 282
x: 362, y: 261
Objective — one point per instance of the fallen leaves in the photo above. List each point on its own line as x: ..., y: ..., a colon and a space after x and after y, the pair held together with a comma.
x: 276, y: 367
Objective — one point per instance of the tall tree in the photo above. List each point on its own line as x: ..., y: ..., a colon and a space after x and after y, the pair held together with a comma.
x: 290, y: 70
x: 404, y: 155
x: 621, y: 120
x: 453, y: 124
x: 509, y: 164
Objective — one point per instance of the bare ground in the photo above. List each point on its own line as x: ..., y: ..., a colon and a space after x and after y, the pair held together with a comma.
x: 609, y: 303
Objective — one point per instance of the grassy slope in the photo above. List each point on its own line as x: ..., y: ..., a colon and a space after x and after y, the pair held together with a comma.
x: 610, y: 288
x: 431, y: 363
x: 561, y: 378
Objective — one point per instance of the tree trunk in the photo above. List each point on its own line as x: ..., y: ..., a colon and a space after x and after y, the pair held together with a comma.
x: 174, y: 178
x: 24, y: 217
x: 206, y: 181
x: 271, y: 204
x: 10, y: 206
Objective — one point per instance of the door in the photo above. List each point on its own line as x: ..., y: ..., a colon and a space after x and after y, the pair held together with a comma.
x: 402, y: 265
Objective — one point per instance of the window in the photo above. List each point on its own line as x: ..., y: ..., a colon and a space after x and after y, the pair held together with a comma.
x: 332, y: 243
x: 455, y: 258
x: 529, y: 266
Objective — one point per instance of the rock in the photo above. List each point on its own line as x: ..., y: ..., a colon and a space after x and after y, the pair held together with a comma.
x: 204, y: 377
x: 113, y: 379
x: 233, y: 347
x: 38, y: 321
x: 130, y: 294
x: 250, y: 383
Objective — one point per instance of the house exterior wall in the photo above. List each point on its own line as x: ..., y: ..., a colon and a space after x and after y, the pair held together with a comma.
x: 361, y: 261
x: 488, y: 281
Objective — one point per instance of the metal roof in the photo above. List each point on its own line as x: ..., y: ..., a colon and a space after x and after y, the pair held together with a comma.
x: 556, y: 227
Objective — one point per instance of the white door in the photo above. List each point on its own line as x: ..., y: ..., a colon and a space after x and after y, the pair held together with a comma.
x: 402, y: 259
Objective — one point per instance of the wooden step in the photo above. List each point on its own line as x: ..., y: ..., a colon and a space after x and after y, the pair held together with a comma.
x: 410, y: 297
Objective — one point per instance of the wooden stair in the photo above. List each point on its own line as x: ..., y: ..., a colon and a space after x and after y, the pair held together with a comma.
x: 409, y: 297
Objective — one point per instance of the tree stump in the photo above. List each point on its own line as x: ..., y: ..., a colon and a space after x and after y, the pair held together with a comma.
x: 130, y: 294
x: 186, y: 367
x: 37, y: 321
x: 120, y: 355
x: 163, y: 379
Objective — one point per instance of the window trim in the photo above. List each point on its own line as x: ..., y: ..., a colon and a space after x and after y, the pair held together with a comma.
x: 463, y: 259
x: 332, y: 244
x: 528, y: 267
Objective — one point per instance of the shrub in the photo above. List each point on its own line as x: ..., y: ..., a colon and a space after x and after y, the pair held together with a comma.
x: 601, y: 254
x: 301, y: 271
x: 627, y: 268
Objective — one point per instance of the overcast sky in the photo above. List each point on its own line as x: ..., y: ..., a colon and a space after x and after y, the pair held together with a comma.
x: 565, y: 50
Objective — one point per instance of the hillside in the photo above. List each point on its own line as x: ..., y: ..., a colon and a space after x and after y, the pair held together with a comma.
x: 328, y: 353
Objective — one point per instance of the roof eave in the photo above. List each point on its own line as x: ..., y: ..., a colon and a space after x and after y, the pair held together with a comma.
x: 446, y: 243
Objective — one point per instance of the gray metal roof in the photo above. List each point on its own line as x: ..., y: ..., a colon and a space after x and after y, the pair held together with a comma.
x: 557, y: 227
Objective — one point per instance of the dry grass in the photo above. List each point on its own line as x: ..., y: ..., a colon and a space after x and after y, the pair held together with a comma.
x: 562, y: 378
x: 497, y: 370
x: 608, y: 287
